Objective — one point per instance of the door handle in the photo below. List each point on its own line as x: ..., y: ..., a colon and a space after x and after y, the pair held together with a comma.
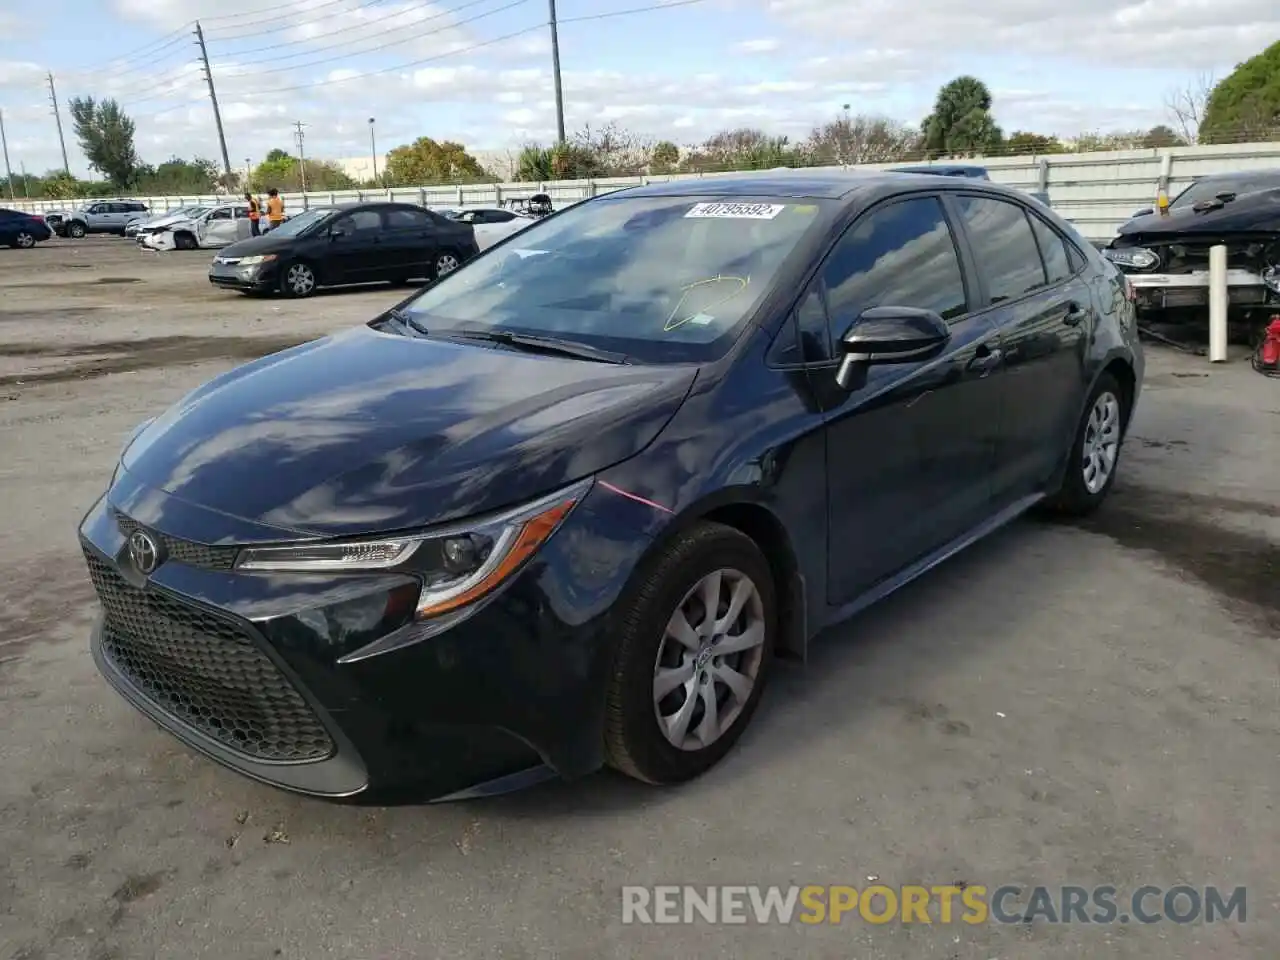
x: 985, y: 361
x: 1074, y: 314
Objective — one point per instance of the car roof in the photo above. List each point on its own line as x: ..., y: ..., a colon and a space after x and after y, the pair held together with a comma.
x: 808, y: 184
x: 1264, y: 174
x: 946, y: 170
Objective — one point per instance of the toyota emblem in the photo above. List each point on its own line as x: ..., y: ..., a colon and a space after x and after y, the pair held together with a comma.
x: 144, y: 552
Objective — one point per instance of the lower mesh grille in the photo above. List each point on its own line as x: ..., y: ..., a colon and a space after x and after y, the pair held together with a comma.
x: 205, y: 671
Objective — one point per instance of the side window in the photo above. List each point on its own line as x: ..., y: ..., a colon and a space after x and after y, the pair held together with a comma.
x: 900, y: 255
x: 469, y: 216
x: 805, y: 337
x: 407, y: 219
x: 500, y: 216
x: 137, y: 208
x: 1053, y: 248
x: 222, y: 213
x: 97, y: 208
x: 1003, y: 246
x: 366, y: 221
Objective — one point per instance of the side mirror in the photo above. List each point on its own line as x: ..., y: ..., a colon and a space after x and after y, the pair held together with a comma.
x: 1144, y: 212
x: 1226, y: 196
x: 337, y: 232
x: 889, y: 335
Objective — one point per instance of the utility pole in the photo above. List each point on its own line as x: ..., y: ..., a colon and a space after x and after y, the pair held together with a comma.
x: 213, y: 97
x: 8, y: 170
x: 57, y: 115
x: 373, y: 150
x: 302, y: 156
x: 555, y: 73
x: 26, y: 194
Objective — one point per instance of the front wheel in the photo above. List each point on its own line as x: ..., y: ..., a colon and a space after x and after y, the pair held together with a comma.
x: 76, y: 231
x: 1095, y: 452
x: 695, y: 641
x: 298, y: 280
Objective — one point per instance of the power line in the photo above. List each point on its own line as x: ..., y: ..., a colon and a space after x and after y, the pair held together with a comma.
x: 320, y: 36
x: 409, y: 38
x: 293, y: 17
x: 626, y: 13
x: 146, y: 50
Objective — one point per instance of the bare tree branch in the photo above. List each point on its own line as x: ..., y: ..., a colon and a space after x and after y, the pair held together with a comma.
x: 1186, y: 105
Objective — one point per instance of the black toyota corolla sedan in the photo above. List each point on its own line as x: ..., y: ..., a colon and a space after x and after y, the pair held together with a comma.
x: 567, y: 506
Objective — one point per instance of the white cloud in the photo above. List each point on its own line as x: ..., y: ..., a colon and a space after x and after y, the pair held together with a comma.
x: 767, y: 45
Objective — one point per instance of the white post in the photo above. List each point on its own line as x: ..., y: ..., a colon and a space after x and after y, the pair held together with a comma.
x: 1217, y: 304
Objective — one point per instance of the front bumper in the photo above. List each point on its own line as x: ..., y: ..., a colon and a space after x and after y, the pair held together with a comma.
x: 160, y: 240
x: 255, y: 670
x: 259, y: 278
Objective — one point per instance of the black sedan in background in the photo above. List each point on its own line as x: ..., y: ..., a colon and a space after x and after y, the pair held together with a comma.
x: 565, y: 506
x: 347, y: 244
x: 22, y: 230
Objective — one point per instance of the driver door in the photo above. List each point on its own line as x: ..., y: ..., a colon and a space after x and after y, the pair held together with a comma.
x: 910, y: 450
x: 355, y: 251
x: 218, y: 229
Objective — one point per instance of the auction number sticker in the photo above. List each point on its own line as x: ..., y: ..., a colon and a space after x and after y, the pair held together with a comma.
x: 737, y: 211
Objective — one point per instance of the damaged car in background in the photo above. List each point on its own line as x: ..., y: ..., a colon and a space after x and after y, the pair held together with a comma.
x: 1165, y: 256
x: 217, y: 226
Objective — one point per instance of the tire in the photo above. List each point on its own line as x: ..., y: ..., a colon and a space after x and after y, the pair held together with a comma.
x: 184, y: 241
x: 24, y: 240
x: 298, y: 280
x: 1091, y: 469
x: 444, y: 263
x: 76, y: 231
x: 637, y: 743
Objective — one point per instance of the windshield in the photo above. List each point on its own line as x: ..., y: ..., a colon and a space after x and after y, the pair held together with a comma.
x: 295, y: 225
x: 188, y: 212
x: 659, y: 279
x: 1208, y: 189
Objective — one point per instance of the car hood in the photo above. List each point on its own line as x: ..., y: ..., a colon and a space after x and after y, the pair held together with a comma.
x: 164, y: 221
x: 253, y: 246
x: 366, y: 432
x: 1248, y: 213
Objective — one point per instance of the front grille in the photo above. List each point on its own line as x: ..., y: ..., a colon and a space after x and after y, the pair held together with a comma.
x: 206, y: 671
x: 183, y: 551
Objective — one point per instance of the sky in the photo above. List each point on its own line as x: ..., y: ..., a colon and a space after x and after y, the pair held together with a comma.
x: 479, y: 71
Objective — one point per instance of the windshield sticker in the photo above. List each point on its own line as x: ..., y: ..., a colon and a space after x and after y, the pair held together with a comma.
x: 805, y: 208
x: 737, y: 211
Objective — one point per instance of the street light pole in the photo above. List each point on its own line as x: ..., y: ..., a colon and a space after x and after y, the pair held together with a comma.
x: 373, y: 150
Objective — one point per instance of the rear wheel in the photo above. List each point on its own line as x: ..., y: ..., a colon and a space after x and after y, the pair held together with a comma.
x: 75, y: 230
x: 694, y: 648
x: 24, y: 240
x: 297, y: 280
x: 1095, y: 452
x: 445, y: 263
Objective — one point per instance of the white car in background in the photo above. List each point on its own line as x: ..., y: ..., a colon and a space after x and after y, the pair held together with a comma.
x: 217, y: 226
x: 145, y: 224
x: 492, y: 224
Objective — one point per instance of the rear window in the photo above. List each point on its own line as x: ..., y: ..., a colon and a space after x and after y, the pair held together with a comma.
x: 660, y: 279
x: 1208, y: 189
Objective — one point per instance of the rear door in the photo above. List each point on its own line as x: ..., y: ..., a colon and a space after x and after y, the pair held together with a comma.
x: 1039, y: 301
x: 410, y: 243
x: 218, y: 229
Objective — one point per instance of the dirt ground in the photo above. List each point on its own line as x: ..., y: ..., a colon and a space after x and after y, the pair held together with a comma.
x: 1091, y: 704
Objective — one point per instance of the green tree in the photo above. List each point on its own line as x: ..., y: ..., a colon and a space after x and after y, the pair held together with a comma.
x: 1245, y: 104
x: 664, y: 158
x: 177, y: 176
x: 427, y: 161
x: 106, y: 134
x: 744, y: 148
x: 566, y: 161
x: 1021, y: 143
x: 1162, y: 135
x: 961, y: 123
x: 284, y: 173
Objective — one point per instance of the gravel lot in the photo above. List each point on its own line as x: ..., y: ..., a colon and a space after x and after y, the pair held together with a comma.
x: 1061, y: 705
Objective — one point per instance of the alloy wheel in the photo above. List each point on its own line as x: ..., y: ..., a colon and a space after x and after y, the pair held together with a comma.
x: 446, y: 263
x: 76, y: 230
x: 26, y: 240
x: 709, y: 659
x: 300, y: 279
x: 1101, y: 441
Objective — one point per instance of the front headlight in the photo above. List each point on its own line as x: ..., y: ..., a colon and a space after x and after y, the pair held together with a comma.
x: 1140, y: 258
x: 255, y: 260
x: 458, y: 564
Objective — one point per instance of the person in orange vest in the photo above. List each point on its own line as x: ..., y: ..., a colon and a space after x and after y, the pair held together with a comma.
x: 255, y: 214
x: 275, y: 208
